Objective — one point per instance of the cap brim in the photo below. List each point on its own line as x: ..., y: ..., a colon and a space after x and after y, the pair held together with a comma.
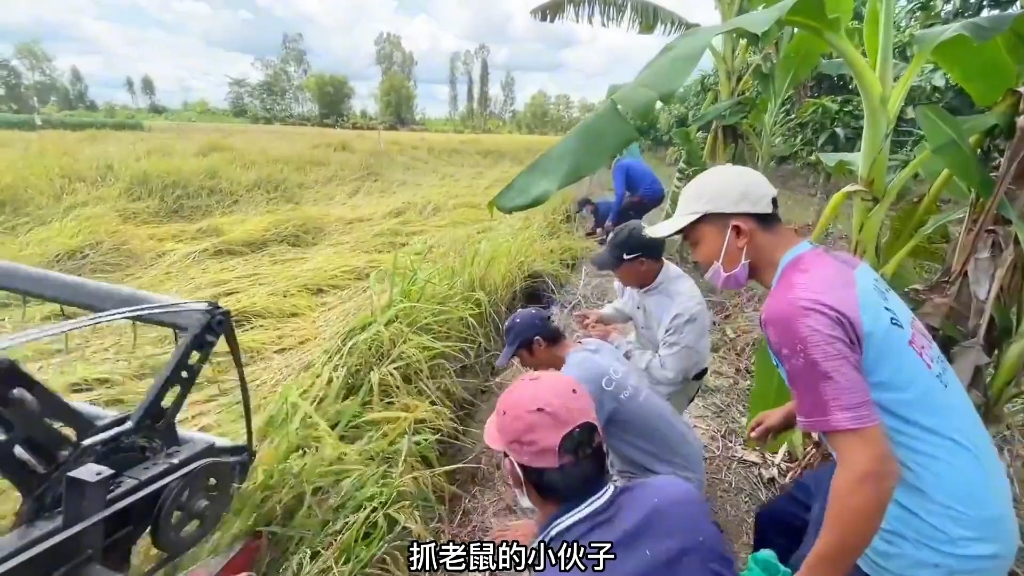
x: 492, y: 439
x: 672, y: 226
x: 605, y: 261
x: 506, y: 356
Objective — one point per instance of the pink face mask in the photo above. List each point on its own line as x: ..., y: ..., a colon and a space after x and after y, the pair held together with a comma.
x: 735, y: 280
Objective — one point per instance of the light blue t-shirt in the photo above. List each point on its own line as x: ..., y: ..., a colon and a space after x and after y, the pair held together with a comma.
x: 644, y: 434
x: 854, y: 355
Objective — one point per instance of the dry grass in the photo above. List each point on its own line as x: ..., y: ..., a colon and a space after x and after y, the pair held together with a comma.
x: 364, y: 276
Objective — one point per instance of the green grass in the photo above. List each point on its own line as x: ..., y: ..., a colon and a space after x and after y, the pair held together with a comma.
x: 28, y: 123
x: 364, y: 276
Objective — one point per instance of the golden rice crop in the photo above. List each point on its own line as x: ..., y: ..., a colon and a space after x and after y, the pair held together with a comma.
x: 363, y: 274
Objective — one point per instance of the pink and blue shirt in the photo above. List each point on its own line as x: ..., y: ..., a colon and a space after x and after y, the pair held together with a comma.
x: 854, y: 355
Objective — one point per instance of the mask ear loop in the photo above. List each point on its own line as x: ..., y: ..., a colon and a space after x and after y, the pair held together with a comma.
x: 728, y: 235
x: 721, y: 257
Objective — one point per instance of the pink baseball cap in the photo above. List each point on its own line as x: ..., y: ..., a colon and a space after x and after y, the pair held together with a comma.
x: 534, y: 413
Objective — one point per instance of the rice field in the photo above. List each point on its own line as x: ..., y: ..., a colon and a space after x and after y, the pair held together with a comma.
x: 364, y: 273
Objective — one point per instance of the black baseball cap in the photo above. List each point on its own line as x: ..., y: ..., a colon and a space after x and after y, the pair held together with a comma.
x: 521, y: 328
x: 628, y: 242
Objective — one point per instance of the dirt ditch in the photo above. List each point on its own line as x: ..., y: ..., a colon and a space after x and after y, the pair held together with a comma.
x: 738, y: 479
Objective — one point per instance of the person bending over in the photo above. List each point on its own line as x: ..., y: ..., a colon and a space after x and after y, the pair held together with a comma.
x: 917, y: 486
x: 671, y: 343
x: 637, y: 191
x: 599, y: 211
x: 547, y: 429
x: 644, y: 434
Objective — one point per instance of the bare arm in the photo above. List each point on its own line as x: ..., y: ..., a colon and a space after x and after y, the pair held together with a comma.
x: 818, y: 347
x: 863, y: 484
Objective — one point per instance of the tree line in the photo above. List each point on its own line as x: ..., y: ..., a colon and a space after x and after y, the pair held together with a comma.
x: 31, y: 82
x: 286, y: 89
x: 289, y: 91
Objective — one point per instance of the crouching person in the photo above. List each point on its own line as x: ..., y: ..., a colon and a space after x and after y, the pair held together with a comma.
x: 644, y: 433
x: 671, y: 343
x: 546, y: 427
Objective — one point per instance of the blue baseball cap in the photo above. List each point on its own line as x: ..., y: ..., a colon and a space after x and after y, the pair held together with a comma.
x: 522, y: 327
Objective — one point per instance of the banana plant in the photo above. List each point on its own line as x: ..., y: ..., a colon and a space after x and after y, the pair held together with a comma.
x: 731, y: 58
x: 981, y: 54
x: 976, y: 305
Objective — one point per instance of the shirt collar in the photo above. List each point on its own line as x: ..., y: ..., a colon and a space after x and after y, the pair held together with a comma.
x: 572, y: 513
x: 660, y: 280
x: 789, y: 255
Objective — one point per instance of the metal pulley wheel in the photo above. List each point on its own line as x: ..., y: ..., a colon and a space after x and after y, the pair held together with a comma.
x: 191, y: 508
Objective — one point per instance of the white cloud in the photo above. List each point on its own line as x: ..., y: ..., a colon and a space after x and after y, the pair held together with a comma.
x: 189, y: 47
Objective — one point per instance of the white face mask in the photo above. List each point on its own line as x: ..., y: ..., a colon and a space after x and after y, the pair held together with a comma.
x: 522, y: 498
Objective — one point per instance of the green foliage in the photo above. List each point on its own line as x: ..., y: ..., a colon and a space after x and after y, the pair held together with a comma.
x: 332, y: 95
x: 606, y: 132
x: 396, y: 100
x: 27, y: 123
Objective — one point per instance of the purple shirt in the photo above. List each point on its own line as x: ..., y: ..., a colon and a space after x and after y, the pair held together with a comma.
x: 813, y: 326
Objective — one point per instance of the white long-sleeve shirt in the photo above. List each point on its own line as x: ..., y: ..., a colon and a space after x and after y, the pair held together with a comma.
x: 672, y: 323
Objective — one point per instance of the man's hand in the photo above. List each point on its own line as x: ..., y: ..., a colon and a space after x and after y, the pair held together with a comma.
x: 522, y: 531
x: 608, y: 227
x: 772, y: 422
x: 602, y: 331
x: 584, y: 318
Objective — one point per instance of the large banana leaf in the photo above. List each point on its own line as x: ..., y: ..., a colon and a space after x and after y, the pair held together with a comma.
x: 588, y: 147
x: 771, y: 392
x: 604, y: 134
x: 983, y: 55
x: 641, y: 16
x: 946, y: 137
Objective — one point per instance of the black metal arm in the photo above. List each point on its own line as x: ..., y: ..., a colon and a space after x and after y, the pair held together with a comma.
x: 93, y: 482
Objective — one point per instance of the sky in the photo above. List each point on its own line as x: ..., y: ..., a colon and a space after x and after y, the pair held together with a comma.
x: 190, y: 47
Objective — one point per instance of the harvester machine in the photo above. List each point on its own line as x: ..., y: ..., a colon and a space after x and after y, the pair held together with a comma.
x: 94, y: 482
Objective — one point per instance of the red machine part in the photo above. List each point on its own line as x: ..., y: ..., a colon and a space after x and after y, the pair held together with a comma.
x: 241, y: 560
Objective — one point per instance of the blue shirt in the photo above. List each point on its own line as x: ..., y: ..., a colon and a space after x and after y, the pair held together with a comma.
x: 644, y: 434
x: 632, y: 177
x: 602, y: 210
x: 657, y: 526
x: 854, y: 356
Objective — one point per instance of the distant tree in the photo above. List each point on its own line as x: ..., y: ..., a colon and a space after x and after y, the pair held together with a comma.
x: 483, y: 100
x: 129, y: 87
x: 201, y: 106
x: 583, y: 108
x: 563, y: 112
x: 42, y: 80
x: 396, y: 100
x: 238, y: 96
x: 537, y: 117
x: 148, y: 89
x: 13, y: 96
x: 294, y: 69
x: 391, y: 56
x: 467, y: 70
x: 508, y: 96
x: 78, y: 91
x: 453, y: 85
x: 332, y: 95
